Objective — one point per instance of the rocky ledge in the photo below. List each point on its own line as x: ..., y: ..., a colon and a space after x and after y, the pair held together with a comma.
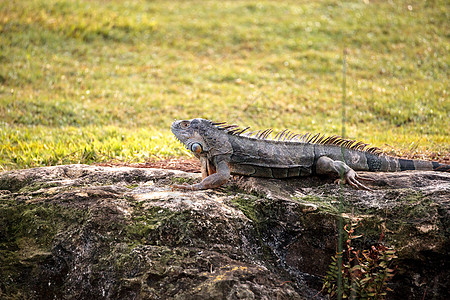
x: 85, y: 232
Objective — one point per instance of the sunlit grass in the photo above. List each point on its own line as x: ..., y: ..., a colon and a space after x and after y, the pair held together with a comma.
x: 86, y: 81
x: 39, y: 145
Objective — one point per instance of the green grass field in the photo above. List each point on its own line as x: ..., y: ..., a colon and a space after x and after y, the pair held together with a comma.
x: 89, y: 81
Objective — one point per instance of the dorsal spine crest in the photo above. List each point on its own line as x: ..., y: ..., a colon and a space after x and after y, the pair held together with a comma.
x: 291, y: 137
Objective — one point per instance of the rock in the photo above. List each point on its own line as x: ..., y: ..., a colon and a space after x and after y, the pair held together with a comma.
x: 83, y: 232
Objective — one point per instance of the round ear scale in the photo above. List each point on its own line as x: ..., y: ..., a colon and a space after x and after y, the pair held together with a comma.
x: 196, y: 148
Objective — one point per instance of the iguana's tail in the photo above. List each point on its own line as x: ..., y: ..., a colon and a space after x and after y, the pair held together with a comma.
x: 392, y: 164
x: 441, y: 167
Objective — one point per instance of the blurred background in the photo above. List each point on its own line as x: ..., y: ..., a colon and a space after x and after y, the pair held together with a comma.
x: 85, y: 81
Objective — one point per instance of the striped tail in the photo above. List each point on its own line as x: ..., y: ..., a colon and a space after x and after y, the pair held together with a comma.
x: 412, y: 164
x: 386, y: 163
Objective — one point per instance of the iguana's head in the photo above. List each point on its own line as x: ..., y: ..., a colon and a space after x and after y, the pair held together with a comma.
x: 201, y: 136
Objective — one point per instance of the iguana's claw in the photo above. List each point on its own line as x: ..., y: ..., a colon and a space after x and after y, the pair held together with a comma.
x: 352, y: 179
x: 359, y: 177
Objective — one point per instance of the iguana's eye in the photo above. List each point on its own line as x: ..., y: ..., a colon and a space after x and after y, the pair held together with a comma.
x: 184, y: 124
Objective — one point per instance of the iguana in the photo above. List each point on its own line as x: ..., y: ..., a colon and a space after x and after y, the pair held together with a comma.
x: 227, y: 149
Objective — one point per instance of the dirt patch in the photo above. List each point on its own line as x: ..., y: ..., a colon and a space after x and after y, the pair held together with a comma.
x: 191, y: 165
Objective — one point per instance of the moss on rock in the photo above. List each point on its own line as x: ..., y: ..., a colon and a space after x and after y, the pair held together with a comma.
x: 27, y: 231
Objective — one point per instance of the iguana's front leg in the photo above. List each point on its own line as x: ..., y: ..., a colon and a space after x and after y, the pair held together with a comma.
x: 209, y: 182
x: 326, y: 165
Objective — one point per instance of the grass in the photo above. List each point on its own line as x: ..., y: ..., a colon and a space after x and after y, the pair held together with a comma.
x: 88, y: 81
